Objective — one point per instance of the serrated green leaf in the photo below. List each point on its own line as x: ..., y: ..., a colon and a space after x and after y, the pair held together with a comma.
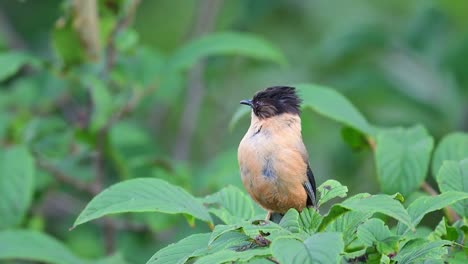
x: 420, y: 250
x: 290, y: 221
x: 271, y: 229
x: 181, y: 251
x: 402, y: 158
x: 319, y: 248
x: 224, y: 43
x: 143, y: 195
x: 231, y: 256
x: 347, y: 224
x: 230, y: 205
x: 309, y: 220
x: 453, y: 146
x: 331, y: 189
x: 16, y: 185
x: 453, y: 176
x: 220, y: 230
x: 331, y: 104
x: 380, y: 203
x: 374, y: 232
x: 426, y: 204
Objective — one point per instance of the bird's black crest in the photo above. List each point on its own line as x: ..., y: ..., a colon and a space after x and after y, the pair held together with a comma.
x: 276, y: 100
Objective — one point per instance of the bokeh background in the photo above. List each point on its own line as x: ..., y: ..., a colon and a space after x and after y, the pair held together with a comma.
x: 399, y: 62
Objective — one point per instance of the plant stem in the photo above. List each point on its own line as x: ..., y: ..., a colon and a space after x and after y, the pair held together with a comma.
x: 451, y: 215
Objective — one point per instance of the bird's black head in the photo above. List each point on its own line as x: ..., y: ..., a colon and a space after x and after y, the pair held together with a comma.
x: 273, y: 101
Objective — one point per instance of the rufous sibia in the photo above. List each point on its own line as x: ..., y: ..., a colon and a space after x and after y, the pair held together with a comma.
x: 273, y: 160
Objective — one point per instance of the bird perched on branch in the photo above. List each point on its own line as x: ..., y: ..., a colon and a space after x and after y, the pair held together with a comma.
x: 273, y: 160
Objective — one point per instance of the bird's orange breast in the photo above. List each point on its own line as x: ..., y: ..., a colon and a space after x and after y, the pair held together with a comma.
x: 273, y: 167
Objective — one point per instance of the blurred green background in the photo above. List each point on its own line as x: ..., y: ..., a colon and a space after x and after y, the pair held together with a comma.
x: 99, y: 101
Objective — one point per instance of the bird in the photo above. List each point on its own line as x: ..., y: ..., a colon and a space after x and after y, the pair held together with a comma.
x: 273, y: 160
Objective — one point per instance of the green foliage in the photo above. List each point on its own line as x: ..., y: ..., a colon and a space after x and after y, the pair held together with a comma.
x: 16, y: 185
x: 402, y: 158
x: 143, y: 195
x: 89, y: 114
x: 36, y: 246
x: 453, y: 176
x: 224, y: 44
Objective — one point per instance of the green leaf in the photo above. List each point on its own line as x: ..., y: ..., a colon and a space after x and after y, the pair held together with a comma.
x: 453, y: 176
x: 453, y: 146
x: 375, y: 232
x: 16, y: 185
x: 309, y: 220
x: 238, y: 115
x: 224, y: 43
x: 331, y: 189
x: 319, y: 248
x: 420, y: 250
x: 181, y: 251
x: 290, y: 221
x: 220, y: 230
x: 34, y: 246
x: 12, y: 61
x: 402, y: 158
x: 444, y: 231
x: 366, y: 203
x: 348, y: 224
x: 143, y: 195
x: 231, y: 256
x: 230, y: 205
x: 426, y: 204
x: 330, y: 103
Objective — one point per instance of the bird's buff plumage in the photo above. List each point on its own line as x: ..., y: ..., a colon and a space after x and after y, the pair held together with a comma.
x: 272, y: 157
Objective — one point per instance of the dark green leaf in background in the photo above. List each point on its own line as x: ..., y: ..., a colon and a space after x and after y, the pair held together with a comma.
x: 224, y: 43
x: 16, y: 185
x: 402, y: 158
x: 11, y: 62
x: 39, y: 247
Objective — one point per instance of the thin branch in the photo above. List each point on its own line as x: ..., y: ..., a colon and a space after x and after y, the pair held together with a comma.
x: 13, y: 39
x: 272, y: 260
x: 86, y: 23
x: 121, y: 24
x: 65, y: 178
x: 204, y: 23
x: 428, y: 189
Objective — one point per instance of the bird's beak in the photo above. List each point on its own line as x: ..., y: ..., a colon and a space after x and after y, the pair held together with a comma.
x: 246, y: 102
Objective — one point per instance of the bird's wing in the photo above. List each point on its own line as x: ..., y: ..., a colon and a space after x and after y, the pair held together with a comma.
x: 310, y: 188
